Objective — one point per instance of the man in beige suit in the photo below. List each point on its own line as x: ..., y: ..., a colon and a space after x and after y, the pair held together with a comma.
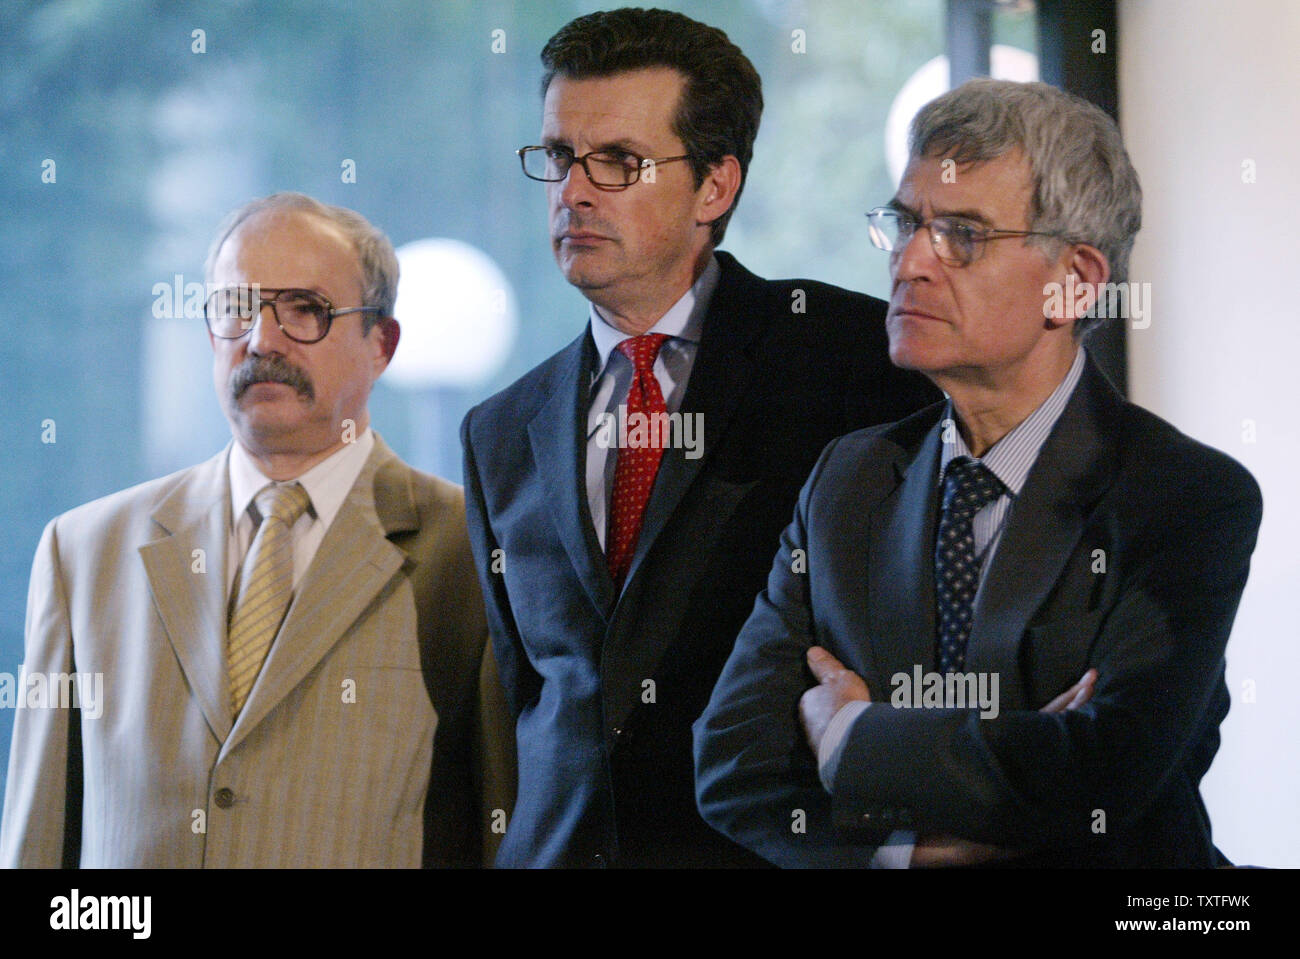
x: 289, y: 635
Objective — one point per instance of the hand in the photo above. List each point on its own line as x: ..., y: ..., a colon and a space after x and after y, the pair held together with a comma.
x: 937, y: 851
x: 1075, y: 696
x: 836, y: 686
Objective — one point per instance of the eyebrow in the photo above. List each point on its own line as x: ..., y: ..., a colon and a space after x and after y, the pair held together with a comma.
x: 623, y: 144
x: 974, y: 215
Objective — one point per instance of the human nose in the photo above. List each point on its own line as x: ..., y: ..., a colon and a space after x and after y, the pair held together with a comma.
x: 265, y: 335
x: 576, y: 188
x: 917, y: 257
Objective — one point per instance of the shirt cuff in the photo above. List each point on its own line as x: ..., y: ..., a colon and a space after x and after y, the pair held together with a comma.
x: 828, y: 752
x: 896, y: 853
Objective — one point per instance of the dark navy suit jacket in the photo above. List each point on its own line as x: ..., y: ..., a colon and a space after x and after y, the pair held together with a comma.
x: 605, y: 687
x: 1126, y: 550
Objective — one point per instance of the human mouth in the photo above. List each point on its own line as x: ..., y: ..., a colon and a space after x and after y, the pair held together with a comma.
x: 582, y: 238
x: 912, y: 313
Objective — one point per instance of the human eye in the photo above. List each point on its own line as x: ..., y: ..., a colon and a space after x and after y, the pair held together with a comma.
x: 964, y: 231
x: 906, y: 222
x: 302, y: 305
x: 617, y: 158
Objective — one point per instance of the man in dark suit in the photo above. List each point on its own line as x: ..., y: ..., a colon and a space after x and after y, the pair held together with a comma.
x: 618, y: 566
x: 948, y: 579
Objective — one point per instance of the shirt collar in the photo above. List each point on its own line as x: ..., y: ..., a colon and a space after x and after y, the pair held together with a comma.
x: 1011, y: 458
x: 327, y: 483
x: 683, y: 321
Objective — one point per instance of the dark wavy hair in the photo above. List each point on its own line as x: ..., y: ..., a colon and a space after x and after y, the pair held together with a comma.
x: 721, y: 104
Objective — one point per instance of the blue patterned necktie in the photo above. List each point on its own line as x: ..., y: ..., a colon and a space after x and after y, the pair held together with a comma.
x: 968, y: 486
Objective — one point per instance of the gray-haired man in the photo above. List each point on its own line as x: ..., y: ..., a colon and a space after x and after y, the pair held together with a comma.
x: 948, y: 579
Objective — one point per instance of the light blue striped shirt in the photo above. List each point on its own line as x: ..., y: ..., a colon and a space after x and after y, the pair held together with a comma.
x: 1009, y: 459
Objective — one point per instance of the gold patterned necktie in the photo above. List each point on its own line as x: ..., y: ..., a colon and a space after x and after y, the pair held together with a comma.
x: 266, y: 583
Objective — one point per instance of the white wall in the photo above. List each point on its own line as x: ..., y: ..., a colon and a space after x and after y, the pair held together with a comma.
x: 1204, y: 87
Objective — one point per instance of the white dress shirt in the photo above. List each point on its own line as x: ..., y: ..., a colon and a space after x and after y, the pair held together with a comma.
x: 613, y: 377
x: 327, y: 483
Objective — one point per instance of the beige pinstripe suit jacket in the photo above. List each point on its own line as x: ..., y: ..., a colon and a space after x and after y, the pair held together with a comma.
x: 388, y: 615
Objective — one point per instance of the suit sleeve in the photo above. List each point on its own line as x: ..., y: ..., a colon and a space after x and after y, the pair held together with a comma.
x: 44, y: 771
x: 756, y: 777
x: 517, y: 677
x: 1031, y: 780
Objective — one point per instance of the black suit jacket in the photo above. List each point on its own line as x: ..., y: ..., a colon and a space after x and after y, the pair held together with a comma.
x: 605, y: 687
x: 1126, y: 550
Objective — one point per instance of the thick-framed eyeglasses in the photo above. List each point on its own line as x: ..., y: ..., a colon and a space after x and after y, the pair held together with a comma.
x: 607, y: 169
x: 957, y: 242
x: 302, y: 315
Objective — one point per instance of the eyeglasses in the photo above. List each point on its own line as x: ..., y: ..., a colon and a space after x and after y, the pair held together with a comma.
x: 607, y: 169
x: 302, y: 315
x: 956, y: 242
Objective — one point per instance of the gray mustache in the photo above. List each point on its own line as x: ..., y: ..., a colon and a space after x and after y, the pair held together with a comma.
x: 269, y: 369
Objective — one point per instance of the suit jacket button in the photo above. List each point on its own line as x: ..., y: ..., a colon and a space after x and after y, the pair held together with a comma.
x: 224, y: 798
x: 598, y: 860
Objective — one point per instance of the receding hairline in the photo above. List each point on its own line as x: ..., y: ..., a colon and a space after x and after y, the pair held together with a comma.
x: 287, y: 212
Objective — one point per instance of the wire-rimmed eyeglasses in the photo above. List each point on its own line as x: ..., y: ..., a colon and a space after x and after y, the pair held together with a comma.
x: 956, y: 241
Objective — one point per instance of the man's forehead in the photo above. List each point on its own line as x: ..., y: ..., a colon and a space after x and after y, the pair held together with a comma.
x: 289, y: 243
x: 939, y: 184
x: 628, y: 104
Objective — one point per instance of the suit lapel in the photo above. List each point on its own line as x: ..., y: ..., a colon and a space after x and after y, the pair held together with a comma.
x: 738, y: 313
x: 900, y: 580
x: 559, y: 441
x: 1074, y: 468
x: 186, y: 569
x: 352, y: 565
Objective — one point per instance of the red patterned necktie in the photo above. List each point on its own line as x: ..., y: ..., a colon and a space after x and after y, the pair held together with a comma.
x: 638, y: 462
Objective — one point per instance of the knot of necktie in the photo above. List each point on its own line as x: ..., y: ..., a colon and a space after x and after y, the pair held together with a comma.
x: 285, y: 503
x: 969, y: 486
x: 642, y: 350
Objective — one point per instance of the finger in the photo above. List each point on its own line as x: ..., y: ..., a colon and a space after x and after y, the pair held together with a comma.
x: 824, y: 666
x: 1058, y: 704
x: 1083, y: 690
x: 1075, y: 696
x: 1062, y: 702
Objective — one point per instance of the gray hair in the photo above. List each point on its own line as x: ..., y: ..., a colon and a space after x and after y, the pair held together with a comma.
x: 379, y: 270
x: 1084, y: 186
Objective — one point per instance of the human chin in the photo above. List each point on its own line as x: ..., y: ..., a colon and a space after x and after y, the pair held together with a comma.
x: 584, y: 269
x: 913, y: 344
